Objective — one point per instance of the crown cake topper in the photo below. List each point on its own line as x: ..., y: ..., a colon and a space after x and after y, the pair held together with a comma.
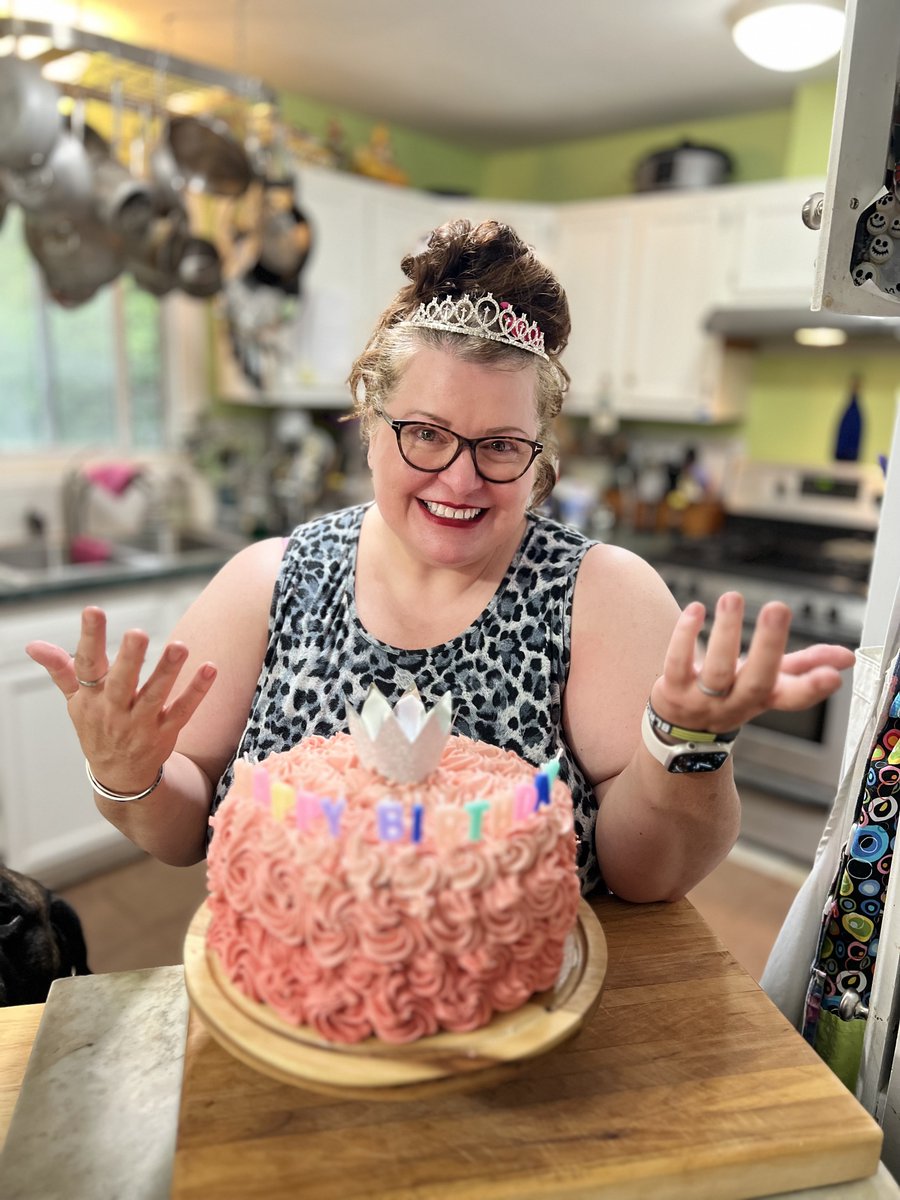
x: 404, y: 743
x: 483, y: 317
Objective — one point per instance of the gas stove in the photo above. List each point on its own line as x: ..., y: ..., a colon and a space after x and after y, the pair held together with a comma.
x: 804, y: 535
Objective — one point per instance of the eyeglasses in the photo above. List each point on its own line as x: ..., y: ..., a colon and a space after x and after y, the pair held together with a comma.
x: 497, y: 459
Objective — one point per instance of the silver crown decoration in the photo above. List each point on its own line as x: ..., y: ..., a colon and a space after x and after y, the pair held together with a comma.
x: 403, y: 743
x: 484, y: 317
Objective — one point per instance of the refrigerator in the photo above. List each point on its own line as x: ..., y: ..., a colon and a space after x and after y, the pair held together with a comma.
x: 858, y: 272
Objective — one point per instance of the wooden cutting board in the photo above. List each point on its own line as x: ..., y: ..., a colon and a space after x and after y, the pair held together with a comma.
x: 685, y: 1083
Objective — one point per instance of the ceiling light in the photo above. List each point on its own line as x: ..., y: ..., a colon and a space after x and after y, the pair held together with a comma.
x: 821, y: 335
x: 788, y: 35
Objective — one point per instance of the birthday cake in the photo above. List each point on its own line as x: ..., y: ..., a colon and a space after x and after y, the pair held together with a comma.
x: 393, y: 882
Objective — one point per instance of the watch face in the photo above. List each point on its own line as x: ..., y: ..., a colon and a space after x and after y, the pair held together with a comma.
x: 690, y: 764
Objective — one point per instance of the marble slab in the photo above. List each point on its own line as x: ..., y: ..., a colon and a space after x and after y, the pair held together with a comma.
x: 97, y: 1115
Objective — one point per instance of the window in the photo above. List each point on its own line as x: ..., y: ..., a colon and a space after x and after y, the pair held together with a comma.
x: 87, y: 377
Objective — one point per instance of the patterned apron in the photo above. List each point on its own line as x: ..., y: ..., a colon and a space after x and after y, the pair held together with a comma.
x: 844, y: 966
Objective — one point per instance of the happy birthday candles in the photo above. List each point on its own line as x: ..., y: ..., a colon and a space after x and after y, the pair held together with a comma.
x: 447, y: 823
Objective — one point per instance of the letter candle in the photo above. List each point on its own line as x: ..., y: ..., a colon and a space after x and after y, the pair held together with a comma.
x: 389, y: 814
x: 476, y: 810
x: 308, y: 808
x: 542, y: 786
x: 261, y: 788
x: 334, y: 810
x: 243, y: 778
x: 418, y: 813
x: 283, y: 799
x: 525, y: 801
x: 551, y: 769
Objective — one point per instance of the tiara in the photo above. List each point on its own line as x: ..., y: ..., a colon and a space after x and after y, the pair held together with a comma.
x: 483, y: 318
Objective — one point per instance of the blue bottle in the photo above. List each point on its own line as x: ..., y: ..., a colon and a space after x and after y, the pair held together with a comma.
x: 849, y: 433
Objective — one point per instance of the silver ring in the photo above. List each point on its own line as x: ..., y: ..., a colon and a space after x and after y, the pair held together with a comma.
x: 718, y: 693
x: 91, y: 682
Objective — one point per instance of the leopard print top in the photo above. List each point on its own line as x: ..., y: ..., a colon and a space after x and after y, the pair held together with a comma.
x: 507, y: 671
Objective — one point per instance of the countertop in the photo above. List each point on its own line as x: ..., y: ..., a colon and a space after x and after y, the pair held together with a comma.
x: 85, y: 577
x: 672, y: 1090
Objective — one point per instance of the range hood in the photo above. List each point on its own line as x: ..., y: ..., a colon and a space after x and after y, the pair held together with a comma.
x: 772, y: 323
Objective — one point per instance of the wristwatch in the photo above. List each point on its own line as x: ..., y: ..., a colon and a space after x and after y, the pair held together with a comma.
x: 684, y: 757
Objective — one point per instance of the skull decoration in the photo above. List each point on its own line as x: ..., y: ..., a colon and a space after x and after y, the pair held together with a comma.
x: 877, y: 222
x: 886, y: 201
x: 880, y: 249
x: 863, y: 273
x: 894, y: 228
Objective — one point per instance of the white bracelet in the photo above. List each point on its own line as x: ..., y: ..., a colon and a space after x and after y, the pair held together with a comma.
x: 121, y: 797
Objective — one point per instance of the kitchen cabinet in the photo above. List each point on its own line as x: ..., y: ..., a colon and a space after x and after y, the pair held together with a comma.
x: 51, y: 828
x: 671, y: 368
x: 642, y: 273
x: 771, y: 253
x: 592, y: 256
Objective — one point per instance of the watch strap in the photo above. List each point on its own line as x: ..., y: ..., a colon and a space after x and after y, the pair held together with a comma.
x: 661, y: 725
x: 685, y: 758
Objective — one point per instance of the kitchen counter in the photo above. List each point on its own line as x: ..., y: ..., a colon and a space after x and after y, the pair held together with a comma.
x: 686, y: 1082
x: 29, y: 586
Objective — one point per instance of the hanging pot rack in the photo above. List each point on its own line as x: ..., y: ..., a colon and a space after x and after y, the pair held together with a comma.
x: 145, y: 79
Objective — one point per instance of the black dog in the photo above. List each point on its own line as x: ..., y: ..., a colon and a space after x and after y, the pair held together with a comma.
x: 40, y: 940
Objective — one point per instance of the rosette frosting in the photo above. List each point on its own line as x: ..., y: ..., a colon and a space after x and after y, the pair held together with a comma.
x: 358, y: 936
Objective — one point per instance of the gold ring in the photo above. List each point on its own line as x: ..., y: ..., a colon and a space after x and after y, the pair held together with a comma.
x: 91, y: 682
x: 719, y: 693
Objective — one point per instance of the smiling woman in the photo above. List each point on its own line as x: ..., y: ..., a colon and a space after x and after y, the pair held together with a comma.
x: 85, y: 376
x: 552, y: 646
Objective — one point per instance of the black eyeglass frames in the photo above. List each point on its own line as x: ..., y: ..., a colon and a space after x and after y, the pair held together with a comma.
x: 432, y: 448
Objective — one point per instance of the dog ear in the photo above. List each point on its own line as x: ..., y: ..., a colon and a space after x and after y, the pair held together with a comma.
x: 69, y: 938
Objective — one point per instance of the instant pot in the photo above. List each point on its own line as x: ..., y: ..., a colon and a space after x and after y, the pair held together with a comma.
x: 686, y: 165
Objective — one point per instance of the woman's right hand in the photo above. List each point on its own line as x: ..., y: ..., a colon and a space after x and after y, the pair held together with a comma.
x: 127, y: 730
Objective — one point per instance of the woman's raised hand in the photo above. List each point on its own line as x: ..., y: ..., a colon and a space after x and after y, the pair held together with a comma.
x: 127, y: 730
x: 724, y: 690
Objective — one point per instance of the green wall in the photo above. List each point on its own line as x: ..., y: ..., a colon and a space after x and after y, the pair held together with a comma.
x: 605, y: 166
x: 431, y: 163
x: 798, y: 397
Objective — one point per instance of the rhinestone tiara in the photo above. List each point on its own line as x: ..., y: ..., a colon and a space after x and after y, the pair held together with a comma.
x: 484, y: 317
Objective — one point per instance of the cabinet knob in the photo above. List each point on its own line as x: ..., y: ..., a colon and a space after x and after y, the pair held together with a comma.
x: 812, y: 210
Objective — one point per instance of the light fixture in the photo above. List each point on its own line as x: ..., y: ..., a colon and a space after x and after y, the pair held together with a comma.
x: 788, y: 35
x: 820, y: 335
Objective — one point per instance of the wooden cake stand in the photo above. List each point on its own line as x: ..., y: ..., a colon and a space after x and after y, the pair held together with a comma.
x: 372, y: 1069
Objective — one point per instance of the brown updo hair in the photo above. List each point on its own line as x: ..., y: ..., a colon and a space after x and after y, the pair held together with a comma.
x: 460, y: 259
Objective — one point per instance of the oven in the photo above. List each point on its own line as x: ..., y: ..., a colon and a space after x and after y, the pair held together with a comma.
x: 805, y: 536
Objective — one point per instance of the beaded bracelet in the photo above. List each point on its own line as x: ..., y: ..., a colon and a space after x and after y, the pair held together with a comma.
x: 687, y: 735
x: 121, y: 797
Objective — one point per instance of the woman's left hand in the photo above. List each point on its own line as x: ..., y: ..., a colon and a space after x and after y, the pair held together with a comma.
x: 724, y: 690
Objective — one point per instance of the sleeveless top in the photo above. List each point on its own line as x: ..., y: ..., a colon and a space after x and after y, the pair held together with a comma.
x: 506, y: 673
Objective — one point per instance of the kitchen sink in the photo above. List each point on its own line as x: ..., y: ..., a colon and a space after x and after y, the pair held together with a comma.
x: 38, y: 564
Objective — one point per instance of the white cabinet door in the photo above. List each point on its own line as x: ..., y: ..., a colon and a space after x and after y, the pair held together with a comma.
x: 773, y: 254
x: 51, y: 828
x: 401, y: 220
x: 672, y: 369
x: 591, y: 263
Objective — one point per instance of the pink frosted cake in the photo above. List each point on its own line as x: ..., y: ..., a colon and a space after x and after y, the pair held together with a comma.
x: 361, y: 907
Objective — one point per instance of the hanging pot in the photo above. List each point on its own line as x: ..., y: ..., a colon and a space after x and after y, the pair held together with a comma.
x: 64, y: 183
x: 201, y: 153
x: 30, y: 122
x: 153, y: 260
x: 127, y: 205
x: 76, y: 258
x: 200, y: 269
